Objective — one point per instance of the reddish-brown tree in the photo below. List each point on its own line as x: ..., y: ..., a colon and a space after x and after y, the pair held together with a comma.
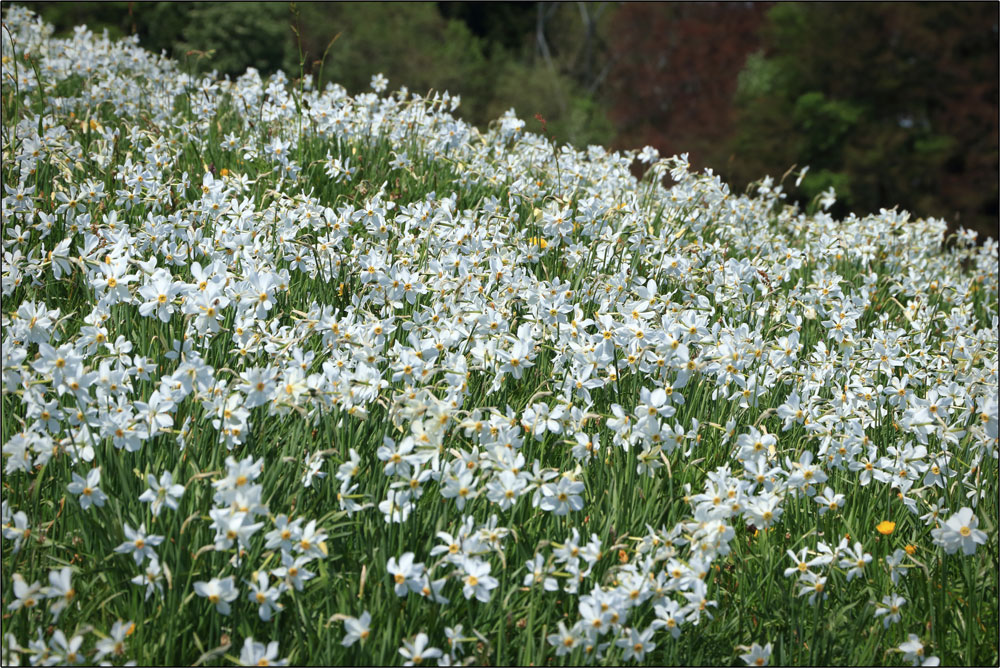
x: 675, y: 71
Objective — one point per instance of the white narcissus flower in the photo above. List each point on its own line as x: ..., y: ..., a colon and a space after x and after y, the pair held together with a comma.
x: 114, y: 644
x: 913, y: 651
x: 757, y: 656
x: 255, y: 301
x: 562, y: 497
x: 417, y: 651
x: 138, y: 544
x: 293, y: 571
x: 564, y: 640
x: 356, y: 629
x: 219, y: 592
x: 311, y: 542
x: 159, y: 292
x: 162, y: 492
x: 15, y: 527
x: 259, y: 654
x: 379, y: 82
x: 87, y: 489
x: 477, y: 581
x: 61, y: 590
x: 26, y: 596
x: 890, y: 609
x: 405, y: 574
x: 152, y: 579
x: 65, y: 651
x: 397, y: 506
x: 266, y: 596
x: 669, y: 615
x: 636, y: 644
x: 960, y: 531
x: 516, y: 360
x: 855, y: 560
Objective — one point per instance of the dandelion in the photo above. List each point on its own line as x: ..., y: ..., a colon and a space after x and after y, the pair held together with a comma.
x: 885, y: 527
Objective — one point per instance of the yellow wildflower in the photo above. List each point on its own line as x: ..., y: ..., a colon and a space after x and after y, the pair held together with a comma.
x: 885, y: 527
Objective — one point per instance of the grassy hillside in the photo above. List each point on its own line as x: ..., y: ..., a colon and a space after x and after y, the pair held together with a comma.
x: 296, y: 375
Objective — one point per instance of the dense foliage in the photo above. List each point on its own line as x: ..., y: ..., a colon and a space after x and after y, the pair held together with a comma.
x: 907, y: 115
x: 295, y: 375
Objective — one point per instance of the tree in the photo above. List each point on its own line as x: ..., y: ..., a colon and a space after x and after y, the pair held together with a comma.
x: 907, y: 115
x: 674, y: 72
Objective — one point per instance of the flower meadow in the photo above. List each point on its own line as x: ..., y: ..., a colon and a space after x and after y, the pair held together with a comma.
x: 294, y: 376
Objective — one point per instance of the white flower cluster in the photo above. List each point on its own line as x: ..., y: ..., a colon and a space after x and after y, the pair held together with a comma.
x: 545, y: 316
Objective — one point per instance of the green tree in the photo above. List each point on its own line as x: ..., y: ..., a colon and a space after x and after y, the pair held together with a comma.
x: 238, y: 35
x: 410, y: 43
x: 890, y: 103
x: 228, y: 37
x: 550, y: 63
